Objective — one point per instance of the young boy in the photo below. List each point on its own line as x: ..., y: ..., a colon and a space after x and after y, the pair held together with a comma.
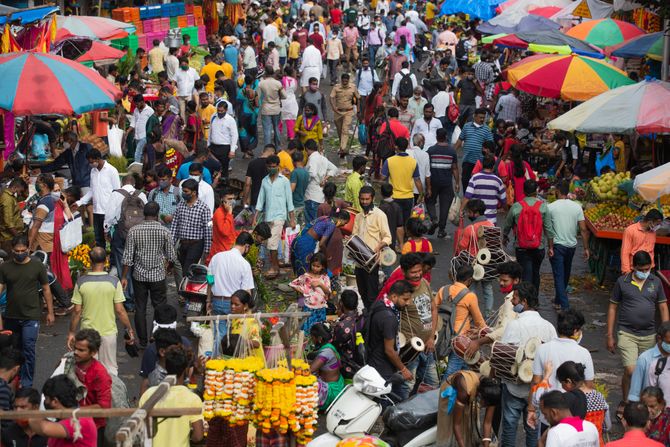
x: 206, y: 112
x: 294, y: 52
x: 299, y: 181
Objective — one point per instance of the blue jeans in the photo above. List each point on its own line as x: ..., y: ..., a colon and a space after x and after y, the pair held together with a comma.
x: 271, y: 124
x: 118, y: 244
x: 487, y: 294
x: 25, y: 333
x: 373, y: 52
x: 454, y: 364
x: 424, y: 370
x: 311, y: 208
x: 139, y: 149
x: 220, y: 307
x: 514, y: 408
x: 561, y: 265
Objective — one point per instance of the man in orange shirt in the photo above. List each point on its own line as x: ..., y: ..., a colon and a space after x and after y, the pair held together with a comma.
x: 640, y: 236
x: 467, y: 312
x: 223, y: 221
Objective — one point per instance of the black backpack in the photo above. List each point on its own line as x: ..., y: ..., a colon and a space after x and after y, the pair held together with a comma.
x: 447, y: 311
x: 460, y: 49
x: 406, y: 87
x: 385, y: 144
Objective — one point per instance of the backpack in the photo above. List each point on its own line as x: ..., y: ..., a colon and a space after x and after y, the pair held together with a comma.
x: 132, y: 211
x: 406, y: 87
x: 447, y: 311
x: 460, y: 49
x: 359, y: 358
x: 385, y: 144
x: 119, y: 400
x: 529, y: 225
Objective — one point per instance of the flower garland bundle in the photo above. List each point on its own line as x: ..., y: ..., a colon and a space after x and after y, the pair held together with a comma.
x: 229, y: 388
x: 275, y: 399
x: 307, y: 403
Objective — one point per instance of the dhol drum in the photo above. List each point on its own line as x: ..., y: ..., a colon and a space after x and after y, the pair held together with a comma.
x: 362, y: 255
x: 409, y: 348
x: 531, y: 347
x: 461, y: 343
x: 503, y: 361
x: 525, y: 371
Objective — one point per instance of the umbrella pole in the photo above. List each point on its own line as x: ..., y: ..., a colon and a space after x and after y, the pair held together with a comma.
x: 665, y: 67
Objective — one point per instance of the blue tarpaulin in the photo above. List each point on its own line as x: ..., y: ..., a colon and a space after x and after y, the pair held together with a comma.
x: 482, y: 9
x: 28, y: 16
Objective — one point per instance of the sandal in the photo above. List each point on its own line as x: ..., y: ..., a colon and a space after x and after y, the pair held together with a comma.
x: 619, y: 411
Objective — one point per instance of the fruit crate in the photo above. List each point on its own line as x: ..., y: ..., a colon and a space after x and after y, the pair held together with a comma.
x: 181, y: 20
x: 131, y: 41
x: 174, y: 22
x: 202, y: 35
x: 122, y: 14
x: 191, y: 31
x: 199, y: 21
x: 151, y: 25
x: 165, y: 24
x: 197, y: 11
x: 190, y: 20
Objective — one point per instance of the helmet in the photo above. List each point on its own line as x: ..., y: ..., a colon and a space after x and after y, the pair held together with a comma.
x: 363, y: 441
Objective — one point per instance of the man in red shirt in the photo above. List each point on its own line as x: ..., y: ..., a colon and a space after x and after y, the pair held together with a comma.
x: 223, y: 230
x: 397, y: 128
x: 93, y: 375
x: 336, y: 14
x: 317, y: 40
x: 635, y: 420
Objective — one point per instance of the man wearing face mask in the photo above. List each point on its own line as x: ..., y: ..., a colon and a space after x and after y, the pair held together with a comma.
x: 74, y: 156
x: 427, y: 126
x: 640, y: 236
x: 372, y: 227
x: 11, y: 222
x: 652, y: 367
x: 223, y: 136
x: 635, y: 296
x: 529, y: 324
x: 190, y: 226
x: 559, y: 350
x: 472, y: 139
x: 469, y: 89
x: 223, y: 225
x: 185, y: 78
x: 205, y: 191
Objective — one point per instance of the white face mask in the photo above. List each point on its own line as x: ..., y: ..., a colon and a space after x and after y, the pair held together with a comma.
x: 476, y: 125
x: 66, y: 145
x: 195, y: 177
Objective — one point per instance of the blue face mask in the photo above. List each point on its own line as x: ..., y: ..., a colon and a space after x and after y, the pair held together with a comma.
x: 665, y: 346
x: 518, y: 308
x: 642, y: 275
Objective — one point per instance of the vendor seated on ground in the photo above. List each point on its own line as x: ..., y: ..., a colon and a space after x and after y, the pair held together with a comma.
x: 325, y: 364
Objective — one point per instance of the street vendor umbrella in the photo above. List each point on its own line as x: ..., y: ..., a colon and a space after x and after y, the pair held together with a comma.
x: 39, y: 83
x: 570, y: 77
x: 548, y: 40
x: 639, y: 108
x: 646, y: 45
x: 653, y: 184
x: 604, y: 32
x: 100, y: 28
x: 101, y: 54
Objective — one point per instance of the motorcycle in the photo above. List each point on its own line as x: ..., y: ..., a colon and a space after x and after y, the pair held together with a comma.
x: 356, y: 412
x: 193, y: 288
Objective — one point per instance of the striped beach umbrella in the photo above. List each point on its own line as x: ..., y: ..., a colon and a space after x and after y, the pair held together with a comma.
x: 604, y: 32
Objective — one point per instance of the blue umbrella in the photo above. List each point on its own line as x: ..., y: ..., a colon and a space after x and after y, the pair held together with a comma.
x: 647, y: 45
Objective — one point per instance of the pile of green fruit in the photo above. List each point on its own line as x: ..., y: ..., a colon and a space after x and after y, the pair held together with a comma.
x: 610, y: 216
x: 606, y: 187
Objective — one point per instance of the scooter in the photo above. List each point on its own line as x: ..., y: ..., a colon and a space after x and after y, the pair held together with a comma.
x: 193, y: 288
x: 356, y: 411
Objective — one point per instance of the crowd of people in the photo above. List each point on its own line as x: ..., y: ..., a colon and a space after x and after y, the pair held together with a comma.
x: 444, y: 138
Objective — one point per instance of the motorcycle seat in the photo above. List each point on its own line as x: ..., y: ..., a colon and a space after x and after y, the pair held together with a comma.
x: 419, y: 412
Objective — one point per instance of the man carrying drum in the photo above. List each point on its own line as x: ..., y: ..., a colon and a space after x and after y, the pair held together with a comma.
x: 371, y: 226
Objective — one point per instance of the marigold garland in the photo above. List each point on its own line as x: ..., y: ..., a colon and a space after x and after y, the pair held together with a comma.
x: 229, y: 388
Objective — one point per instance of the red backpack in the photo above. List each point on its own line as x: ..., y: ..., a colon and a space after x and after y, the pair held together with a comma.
x: 529, y: 225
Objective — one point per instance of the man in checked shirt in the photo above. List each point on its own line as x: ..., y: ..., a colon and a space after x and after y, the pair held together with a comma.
x: 149, y: 250
x: 190, y: 226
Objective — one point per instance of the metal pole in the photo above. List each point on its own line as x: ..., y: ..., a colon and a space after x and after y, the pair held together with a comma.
x: 97, y: 413
x: 665, y: 68
x: 259, y: 315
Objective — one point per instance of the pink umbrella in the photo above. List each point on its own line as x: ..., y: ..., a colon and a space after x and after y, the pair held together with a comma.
x: 546, y: 11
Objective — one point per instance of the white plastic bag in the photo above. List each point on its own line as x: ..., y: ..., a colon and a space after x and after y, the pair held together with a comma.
x: 70, y: 234
x: 114, y: 139
x: 454, y: 135
x: 455, y: 210
x: 289, y: 235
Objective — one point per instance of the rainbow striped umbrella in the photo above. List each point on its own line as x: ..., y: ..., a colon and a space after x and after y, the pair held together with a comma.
x: 604, y: 32
x: 40, y: 83
x: 646, y: 45
x: 100, y: 28
x: 570, y: 77
x: 639, y: 108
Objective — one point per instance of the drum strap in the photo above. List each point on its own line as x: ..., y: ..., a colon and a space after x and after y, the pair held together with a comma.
x: 457, y: 299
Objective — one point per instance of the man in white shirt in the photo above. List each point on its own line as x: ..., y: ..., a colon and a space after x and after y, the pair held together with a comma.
x: 171, y: 63
x: 566, y: 430
x: 104, y: 180
x: 528, y: 325
x: 441, y: 100
x: 249, y: 59
x: 185, y: 78
x: 397, y: 80
x: 366, y: 76
x: 427, y: 126
x: 223, y: 136
x: 141, y: 116
x: 320, y: 169
x: 311, y: 65
x: 113, y: 221
x: 205, y: 191
x: 270, y: 32
x: 422, y: 160
x: 231, y: 272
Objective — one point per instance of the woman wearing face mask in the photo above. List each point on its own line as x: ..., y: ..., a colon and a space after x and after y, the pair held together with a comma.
x: 308, y: 126
x: 659, y: 415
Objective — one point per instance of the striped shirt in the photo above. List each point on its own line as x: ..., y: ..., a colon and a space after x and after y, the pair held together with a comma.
x: 442, y: 159
x: 473, y: 138
x: 488, y: 188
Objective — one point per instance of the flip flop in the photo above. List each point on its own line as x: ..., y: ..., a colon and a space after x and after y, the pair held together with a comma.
x: 619, y: 411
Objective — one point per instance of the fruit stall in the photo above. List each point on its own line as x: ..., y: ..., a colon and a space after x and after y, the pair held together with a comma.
x: 612, y: 207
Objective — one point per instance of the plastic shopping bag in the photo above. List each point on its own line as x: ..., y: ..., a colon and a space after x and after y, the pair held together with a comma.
x: 456, y: 133
x: 70, y: 234
x: 455, y: 210
x: 114, y: 138
x: 289, y: 236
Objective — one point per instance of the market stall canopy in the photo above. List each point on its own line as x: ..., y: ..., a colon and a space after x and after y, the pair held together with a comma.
x: 640, y: 108
x: 474, y: 8
x: 552, y: 38
x: 570, y: 77
x: 83, y: 49
x: 27, y: 16
x: 39, y: 84
x: 527, y: 24
x: 546, y: 11
x: 519, y: 10
x: 585, y: 9
x: 653, y: 184
x: 647, y: 45
x: 100, y: 28
x: 604, y: 32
